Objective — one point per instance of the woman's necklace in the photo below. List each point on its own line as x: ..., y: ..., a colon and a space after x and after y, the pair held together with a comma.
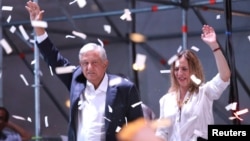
x: 181, y: 103
x: 184, y: 101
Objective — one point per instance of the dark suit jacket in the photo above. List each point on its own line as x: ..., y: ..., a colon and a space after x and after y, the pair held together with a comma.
x: 120, y: 96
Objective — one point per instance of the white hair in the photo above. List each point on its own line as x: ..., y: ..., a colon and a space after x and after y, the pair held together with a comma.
x: 93, y: 46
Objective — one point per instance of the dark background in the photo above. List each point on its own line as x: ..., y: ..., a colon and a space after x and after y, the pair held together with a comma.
x: 163, y: 30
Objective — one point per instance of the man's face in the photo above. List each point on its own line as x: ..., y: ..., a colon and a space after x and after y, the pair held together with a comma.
x: 93, y: 67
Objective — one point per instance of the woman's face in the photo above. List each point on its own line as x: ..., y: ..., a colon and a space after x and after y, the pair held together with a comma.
x: 182, y: 72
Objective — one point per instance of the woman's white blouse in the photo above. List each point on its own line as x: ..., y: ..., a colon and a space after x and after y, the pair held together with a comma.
x: 196, y: 114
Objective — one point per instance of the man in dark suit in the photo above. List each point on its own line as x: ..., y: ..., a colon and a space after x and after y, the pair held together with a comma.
x: 100, y: 103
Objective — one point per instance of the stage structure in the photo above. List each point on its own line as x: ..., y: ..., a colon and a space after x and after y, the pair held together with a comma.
x: 184, y: 6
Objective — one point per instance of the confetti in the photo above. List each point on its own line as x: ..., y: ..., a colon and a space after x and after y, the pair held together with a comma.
x: 81, y: 3
x: 29, y: 119
x: 79, y: 34
x: 248, y: 37
x: 33, y: 62
x: 12, y: 29
x: 70, y: 36
x: 107, y: 119
x: 231, y: 106
x: 172, y: 59
x: 72, y: 2
x: 6, y: 46
x: 24, y: 80
x: 7, y: 8
x: 179, y: 49
x: 63, y: 70
x: 237, y: 117
x: 110, y: 109
x: 8, y: 19
x: 140, y: 60
x: 126, y: 15
x: 195, y: 48
x: 42, y: 24
x: 46, y: 121
x: 32, y: 41
x: 126, y: 121
x: 115, y: 81
x: 107, y: 28
x: 195, y: 79
x: 18, y: 117
x: 118, y: 128
x: 241, y: 112
x: 217, y: 17
x: 23, y: 32
x: 51, y: 71
x: 136, y: 104
x: 100, y: 41
x: 165, y: 71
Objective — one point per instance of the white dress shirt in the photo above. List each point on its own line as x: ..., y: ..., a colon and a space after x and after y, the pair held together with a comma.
x: 195, y: 115
x: 91, y: 112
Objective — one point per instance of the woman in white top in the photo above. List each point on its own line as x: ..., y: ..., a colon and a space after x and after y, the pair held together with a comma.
x: 188, y: 103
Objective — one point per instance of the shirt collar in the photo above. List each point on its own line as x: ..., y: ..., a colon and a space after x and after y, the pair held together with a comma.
x: 103, y: 85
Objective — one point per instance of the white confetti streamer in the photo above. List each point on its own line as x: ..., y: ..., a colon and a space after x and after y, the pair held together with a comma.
x: 100, y: 41
x: 79, y: 34
x: 29, y: 119
x: 165, y: 71
x: 218, y: 17
x: 110, y: 109
x: 118, y: 128
x: 6, y: 46
x: 241, y: 112
x: 172, y: 59
x: 12, y: 29
x: 139, y: 62
x: 126, y: 121
x: 231, y: 106
x: 72, y: 2
x: 18, y: 117
x: 81, y: 3
x: 136, y: 104
x: 195, y: 48
x: 70, y: 36
x: 115, y: 81
x: 7, y: 8
x: 107, y: 28
x: 63, y: 70
x: 24, y: 80
x: 42, y: 24
x: 195, y: 79
x: 107, y: 119
x: 51, y: 72
x: 23, y: 32
x: 33, y: 62
x: 8, y: 19
x: 46, y: 121
x: 32, y: 41
x: 179, y: 49
x: 126, y: 15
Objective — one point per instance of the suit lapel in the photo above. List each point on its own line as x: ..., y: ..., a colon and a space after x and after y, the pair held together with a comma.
x: 111, y: 94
